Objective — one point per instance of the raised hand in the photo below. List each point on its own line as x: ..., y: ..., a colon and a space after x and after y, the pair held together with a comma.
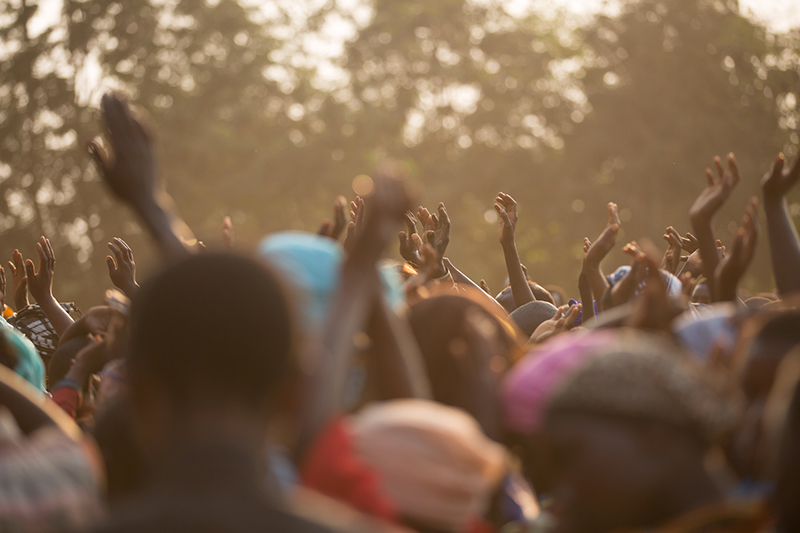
x: 562, y: 321
x: 122, y: 271
x: 506, y: 207
x: 672, y: 257
x: 41, y: 283
x: 409, y: 250
x: 356, y: 222
x: 19, y: 281
x: 334, y: 229
x: 717, y: 190
x: 784, y: 245
x: 375, y: 221
x: 707, y: 204
x: 733, y: 266
x: 595, y: 252
x: 437, y: 227
x: 129, y: 170
x: 654, y: 309
x: 689, y: 243
x: 599, y: 249
x: 776, y: 183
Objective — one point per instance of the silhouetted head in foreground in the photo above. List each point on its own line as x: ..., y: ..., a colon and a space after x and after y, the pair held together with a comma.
x: 628, y: 433
x: 210, y: 342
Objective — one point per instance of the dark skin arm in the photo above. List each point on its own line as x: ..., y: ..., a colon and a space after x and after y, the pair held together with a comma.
x: 129, y: 171
x: 784, y: 245
x: 122, y: 271
x: 462, y: 279
x: 19, y: 283
x: 733, y: 266
x: 506, y: 208
x: 706, y: 206
x: 362, y: 319
x: 595, y: 252
x: 41, y: 286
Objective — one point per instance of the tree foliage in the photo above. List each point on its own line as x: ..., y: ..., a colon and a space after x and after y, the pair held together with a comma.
x: 629, y: 108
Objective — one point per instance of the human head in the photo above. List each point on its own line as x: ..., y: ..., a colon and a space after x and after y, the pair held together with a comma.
x: 531, y: 315
x: 454, y: 466
x: 506, y: 298
x: 186, y: 360
x: 62, y: 358
x: 627, y: 434
x: 461, y: 374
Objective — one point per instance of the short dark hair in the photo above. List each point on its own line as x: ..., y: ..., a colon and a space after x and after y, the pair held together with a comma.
x: 62, y: 358
x: 531, y: 315
x: 506, y: 299
x: 212, y: 327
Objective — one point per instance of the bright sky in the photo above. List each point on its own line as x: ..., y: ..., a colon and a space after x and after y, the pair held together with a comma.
x: 778, y: 15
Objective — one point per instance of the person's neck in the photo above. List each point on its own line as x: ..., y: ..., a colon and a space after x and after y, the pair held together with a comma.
x: 215, y: 448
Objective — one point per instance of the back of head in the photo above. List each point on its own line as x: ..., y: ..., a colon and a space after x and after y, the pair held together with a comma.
x: 200, y: 356
x: 646, y: 379
x: 531, y: 315
x: 439, y: 326
x: 62, y: 358
x: 455, y: 466
x: 506, y: 298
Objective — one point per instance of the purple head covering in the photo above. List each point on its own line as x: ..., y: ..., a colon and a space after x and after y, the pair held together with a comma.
x: 533, y: 380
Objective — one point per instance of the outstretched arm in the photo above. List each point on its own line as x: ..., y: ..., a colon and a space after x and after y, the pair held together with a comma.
x: 784, y: 246
x: 41, y: 286
x: 130, y: 173
x: 506, y: 207
x: 595, y: 252
x: 706, y: 206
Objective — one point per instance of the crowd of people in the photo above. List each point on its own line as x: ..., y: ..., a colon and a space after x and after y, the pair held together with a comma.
x: 311, y: 385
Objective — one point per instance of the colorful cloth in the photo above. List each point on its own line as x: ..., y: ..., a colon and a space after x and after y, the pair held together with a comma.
x: 643, y: 377
x: 49, y: 481
x: 530, y: 383
x: 29, y: 365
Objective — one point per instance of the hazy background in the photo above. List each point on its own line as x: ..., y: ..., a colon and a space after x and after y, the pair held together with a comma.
x: 266, y: 110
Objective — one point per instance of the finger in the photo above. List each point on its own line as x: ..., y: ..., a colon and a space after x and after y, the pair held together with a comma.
x: 112, y: 267
x: 99, y: 156
x: 709, y: 177
x: 127, y: 249
x: 485, y: 287
x: 42, y: 255
x: 559, y: 313
x: 434, y: 221
x: 430, y: 236
x: 410, y: 223
x: 417, y: 240
x: 718, y: 168
x: 29, y: 269
x: 403, y: 238
x: 116, y: 251
x: 777, y: 167
x: 443, y: 216
x: 19, y: 262
x: 51, y: 254
x: 734, y: 168
x: 324, y: 229
x: 12, y: 268
x: 524, y: 271
x: 613, y: 214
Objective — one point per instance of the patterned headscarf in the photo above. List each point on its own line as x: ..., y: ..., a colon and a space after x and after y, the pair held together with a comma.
x: 643, y: 377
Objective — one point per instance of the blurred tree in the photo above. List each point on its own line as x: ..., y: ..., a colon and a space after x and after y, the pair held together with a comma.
x: 474, y: 101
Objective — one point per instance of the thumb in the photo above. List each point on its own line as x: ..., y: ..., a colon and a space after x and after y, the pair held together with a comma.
x: 29, y: 269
